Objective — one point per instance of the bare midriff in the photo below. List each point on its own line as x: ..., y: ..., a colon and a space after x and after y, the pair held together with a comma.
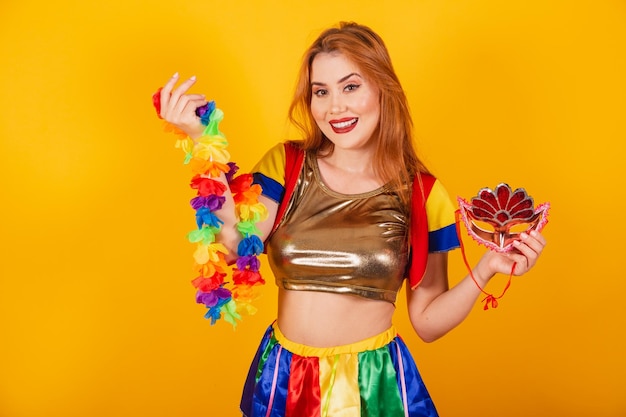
x: 321, y: 319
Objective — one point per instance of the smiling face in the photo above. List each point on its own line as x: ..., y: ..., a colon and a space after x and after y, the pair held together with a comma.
x: 344, y: 104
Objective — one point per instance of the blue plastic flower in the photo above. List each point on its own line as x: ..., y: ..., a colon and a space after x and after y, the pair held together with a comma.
x: 251, y: 245
x: 204, y: 112
x: 205, y: 216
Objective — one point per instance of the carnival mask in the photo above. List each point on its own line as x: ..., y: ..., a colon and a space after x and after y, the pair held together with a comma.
x: 496, y: 218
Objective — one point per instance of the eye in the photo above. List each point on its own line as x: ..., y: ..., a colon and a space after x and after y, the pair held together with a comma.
x: 320, y: 92
x: 351, y: 87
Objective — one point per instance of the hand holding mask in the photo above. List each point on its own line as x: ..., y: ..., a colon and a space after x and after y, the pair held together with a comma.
x: 496, y: 219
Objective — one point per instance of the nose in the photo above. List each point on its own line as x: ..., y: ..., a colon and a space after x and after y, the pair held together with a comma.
x: 337, y: 104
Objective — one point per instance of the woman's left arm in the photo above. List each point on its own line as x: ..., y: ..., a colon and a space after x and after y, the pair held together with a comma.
x: 435, y: 309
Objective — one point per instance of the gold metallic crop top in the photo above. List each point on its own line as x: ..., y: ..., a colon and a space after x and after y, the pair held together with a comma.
x: 348, y: 244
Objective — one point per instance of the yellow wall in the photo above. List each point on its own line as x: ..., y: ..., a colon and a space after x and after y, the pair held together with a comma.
x: 97, y: 316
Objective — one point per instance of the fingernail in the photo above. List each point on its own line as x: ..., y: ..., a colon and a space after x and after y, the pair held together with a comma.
x: 193, y: 77
x: 533, y: 232
x: 175, y: 75
x: 516, y: 243
x: 524, y: 235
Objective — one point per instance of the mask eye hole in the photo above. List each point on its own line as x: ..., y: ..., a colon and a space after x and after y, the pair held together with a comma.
x: 519, y: 228
x: 484, y: 226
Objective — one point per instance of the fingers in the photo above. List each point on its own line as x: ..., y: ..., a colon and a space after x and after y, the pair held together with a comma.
x: 187, y: 104
x: 175, y: 101
x: 528, y: 251
x: 182, y: 88
x: 533, y: 241
x: 524, y: 256
x: 166, y: 92
x: 539, y: 237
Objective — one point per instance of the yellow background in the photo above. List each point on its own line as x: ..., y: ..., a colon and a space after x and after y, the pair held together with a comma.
x: 97, y: 316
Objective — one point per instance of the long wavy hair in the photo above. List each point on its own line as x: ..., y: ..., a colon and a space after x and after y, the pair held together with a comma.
x: 395, y: 159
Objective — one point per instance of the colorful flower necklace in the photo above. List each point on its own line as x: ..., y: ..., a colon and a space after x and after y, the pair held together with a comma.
x: 209, y: 159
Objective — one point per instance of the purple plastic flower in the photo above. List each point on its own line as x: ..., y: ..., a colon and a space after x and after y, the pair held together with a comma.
x: 213, y: 298
x: 248, y: 262
x: 212, y: 202
x: 231, y: 172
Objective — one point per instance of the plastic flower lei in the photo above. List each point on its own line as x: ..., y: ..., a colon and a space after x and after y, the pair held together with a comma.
x: 208, y: 159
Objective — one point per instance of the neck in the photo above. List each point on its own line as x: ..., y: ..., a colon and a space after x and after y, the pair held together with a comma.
x: 353, y: 161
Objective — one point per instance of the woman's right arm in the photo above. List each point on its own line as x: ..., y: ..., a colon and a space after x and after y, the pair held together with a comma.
x: 179, y: 109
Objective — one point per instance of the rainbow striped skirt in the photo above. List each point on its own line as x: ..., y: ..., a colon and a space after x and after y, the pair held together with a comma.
x: 374, y: 377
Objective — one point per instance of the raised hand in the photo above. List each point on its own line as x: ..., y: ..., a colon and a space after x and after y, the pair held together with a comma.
x: 179, y: 108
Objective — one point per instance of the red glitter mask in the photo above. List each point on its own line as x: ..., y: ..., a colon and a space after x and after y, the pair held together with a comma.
x: 496, y: 218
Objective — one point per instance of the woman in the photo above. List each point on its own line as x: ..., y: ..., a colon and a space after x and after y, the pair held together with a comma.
x: 341, y: 251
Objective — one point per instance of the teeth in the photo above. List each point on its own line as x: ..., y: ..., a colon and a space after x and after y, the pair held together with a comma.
x: 341, y: 125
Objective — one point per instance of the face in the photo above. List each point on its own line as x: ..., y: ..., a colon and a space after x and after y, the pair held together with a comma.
x: 344, y: 104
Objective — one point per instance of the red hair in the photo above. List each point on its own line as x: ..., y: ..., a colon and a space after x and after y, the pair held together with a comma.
x: 395, y: 159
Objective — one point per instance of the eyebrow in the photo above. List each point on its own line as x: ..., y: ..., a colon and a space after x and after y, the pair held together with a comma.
x: 341, y: 80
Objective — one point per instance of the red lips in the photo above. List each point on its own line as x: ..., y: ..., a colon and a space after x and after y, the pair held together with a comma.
x: 344, y: 125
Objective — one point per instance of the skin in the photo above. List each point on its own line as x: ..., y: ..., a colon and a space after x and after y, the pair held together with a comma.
x: 342, y: 94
